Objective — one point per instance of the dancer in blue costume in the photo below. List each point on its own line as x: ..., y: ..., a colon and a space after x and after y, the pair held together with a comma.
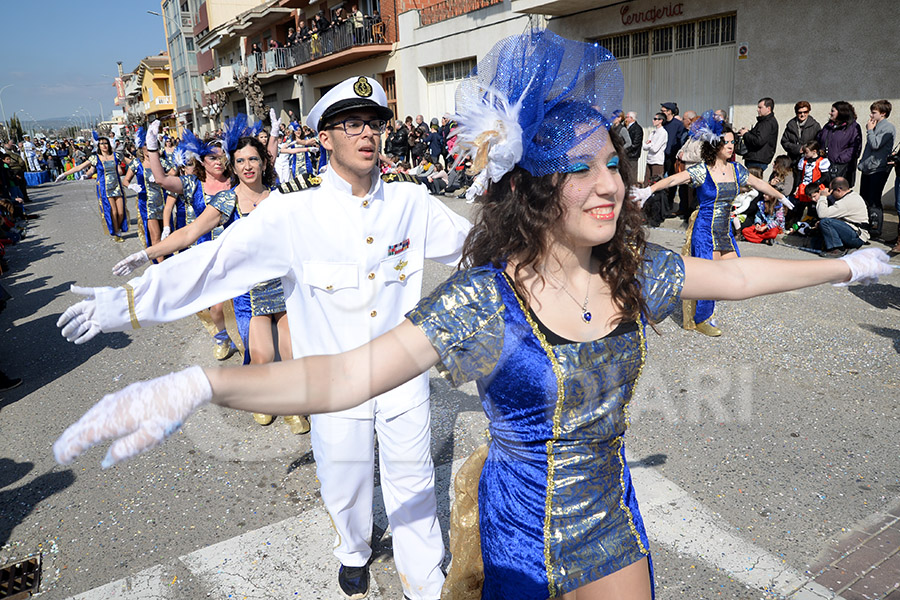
x: 548, y: 315
x: 256, y: 310
x: 107, y: 163
x: 210, y: 174
x: 151, y: 197
x: 717, y: 180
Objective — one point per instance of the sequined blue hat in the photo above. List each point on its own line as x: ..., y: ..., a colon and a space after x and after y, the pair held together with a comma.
x: 538, y: 101
x: 707, y: 128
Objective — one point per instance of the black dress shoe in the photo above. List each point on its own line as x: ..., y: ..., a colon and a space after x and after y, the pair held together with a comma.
x: 7, y: 384
x: 354, y: 581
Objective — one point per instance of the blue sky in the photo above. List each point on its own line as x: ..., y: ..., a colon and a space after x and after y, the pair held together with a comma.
x: 60, y: 54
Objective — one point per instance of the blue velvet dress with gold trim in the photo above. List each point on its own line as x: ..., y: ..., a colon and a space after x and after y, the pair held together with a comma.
x: 195, y: 201
x: 140, y: 177
x: 711, y: 229
x: 556, y: 506
x: 108, y: 186
x: 266, y: 298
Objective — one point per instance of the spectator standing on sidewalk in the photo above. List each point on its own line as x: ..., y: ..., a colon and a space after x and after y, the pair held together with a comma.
x: 841, y: 140
x: 676, y: 136
x: 636, y: 133
x: 761, y: 140
x: 873, y: 165
x: 656, y: 149
x: 801, y: 129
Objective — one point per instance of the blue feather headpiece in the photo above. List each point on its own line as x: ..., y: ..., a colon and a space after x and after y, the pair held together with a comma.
x: 237, y: 128
x: 140, y: 137
x: 707, y: 128
x: 95, y: 135
x: 193, y: 147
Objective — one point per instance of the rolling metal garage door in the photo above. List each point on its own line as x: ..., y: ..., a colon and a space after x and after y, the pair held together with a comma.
x: 689, y: 63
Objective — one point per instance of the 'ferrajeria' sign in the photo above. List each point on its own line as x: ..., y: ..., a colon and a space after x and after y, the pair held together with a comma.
x: 651, y: 15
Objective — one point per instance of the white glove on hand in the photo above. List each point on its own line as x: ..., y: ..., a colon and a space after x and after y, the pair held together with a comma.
x: 866, y: 266
x: 79, y: 323
x: 138, y: 417
x: 134, y: 187
x: 60, y: 178
x: 153, y: 135
x: 275, y: 121
x: 165, y: 233
x: 640, y: 195
x: 787, y: 203
x: 130, y: 263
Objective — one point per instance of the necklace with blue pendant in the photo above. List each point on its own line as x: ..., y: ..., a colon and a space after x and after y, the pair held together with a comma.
x: 585, y: 313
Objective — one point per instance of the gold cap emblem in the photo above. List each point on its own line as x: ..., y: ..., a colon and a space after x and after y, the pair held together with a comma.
x: 362, y: 87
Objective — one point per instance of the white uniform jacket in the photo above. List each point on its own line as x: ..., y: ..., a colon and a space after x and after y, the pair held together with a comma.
x: 351, y: 269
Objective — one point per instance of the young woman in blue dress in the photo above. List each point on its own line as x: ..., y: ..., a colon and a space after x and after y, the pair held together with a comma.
x: 547, y: 315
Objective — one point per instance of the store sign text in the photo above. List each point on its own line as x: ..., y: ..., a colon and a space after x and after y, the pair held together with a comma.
x: 651, y: 15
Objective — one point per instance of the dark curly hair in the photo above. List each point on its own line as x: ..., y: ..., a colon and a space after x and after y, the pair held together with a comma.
x: 518, y: 214
x: 708, y: 151
x: 268, y: 171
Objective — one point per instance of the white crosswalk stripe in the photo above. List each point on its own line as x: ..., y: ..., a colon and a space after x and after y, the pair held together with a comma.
x: 292, y: 558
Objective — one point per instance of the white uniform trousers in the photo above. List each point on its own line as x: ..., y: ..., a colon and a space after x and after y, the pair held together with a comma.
x: 344, y: 449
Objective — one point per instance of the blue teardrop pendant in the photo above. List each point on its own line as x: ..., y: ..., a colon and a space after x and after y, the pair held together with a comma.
x: 586, y: 317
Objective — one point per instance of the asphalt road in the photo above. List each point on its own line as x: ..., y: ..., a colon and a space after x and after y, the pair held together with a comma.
x: 779, y: 436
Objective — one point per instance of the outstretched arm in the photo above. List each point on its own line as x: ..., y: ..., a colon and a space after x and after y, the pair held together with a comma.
x: 74, y: 169
x: 184, y: 237
x: 743, y: 278
x: 168, y: 182
x: 144, y: 414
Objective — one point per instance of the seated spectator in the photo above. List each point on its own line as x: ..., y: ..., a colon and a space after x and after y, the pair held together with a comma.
x: 843, y: 220
x: 437, y: 182
x: 782, y: 177
x: 768, y: 222
x: 743, y: 207
x: 425, y: 169
x: 655, y: 207
x: 814, y: 169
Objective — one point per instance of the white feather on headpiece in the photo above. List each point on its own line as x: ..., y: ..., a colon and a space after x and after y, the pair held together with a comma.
x: 489, y: 132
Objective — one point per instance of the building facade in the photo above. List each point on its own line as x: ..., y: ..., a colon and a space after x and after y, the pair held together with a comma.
x: 178, y: 25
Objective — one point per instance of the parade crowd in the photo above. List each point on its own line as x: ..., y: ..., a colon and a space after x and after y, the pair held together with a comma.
x: 308, y: 241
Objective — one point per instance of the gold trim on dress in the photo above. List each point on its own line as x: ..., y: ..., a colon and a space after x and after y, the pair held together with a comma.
x: 231, y: 325
x: 621, y: 443
x: 689, y: 307
x: 557, y: 414
x: 207, y: 321
x: 140, y: 221
x: 129, y: 291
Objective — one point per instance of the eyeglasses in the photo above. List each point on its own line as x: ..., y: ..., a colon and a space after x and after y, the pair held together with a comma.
x: 657, y: 119
x: 802, y: 112
x: 354, y: 127
x: 219, y: 158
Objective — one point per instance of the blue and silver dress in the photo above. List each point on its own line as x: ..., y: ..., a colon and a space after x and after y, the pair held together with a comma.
x: 194, y: 202
x: 556, y: 506
x: 108, y: 186
x: 711, y: 229
x: 140, y: 177
x: 266, y: 298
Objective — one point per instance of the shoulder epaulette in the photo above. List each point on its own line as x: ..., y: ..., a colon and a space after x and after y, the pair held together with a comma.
x: 392, y: 177
x: 304, y: 181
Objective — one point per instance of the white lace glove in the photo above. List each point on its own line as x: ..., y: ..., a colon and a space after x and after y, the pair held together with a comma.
x: 153, y: 135
x: 866, y: 266
x: 138, y: 417
x: 275, y: 121
x: 134, y: 187
x: 640, y: 195
x: 165, y: 233
x: 79, y: 323
x: 787, y: 203
x: 130, y: 263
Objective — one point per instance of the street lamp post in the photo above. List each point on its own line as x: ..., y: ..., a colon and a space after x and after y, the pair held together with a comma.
x: 100, y: 119
x: 187, y: 65
x: 1, y: 100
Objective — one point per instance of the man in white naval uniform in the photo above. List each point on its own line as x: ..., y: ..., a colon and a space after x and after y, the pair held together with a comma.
x: 350, y: 253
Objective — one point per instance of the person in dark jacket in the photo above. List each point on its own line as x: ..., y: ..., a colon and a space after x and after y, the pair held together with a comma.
x: 400, y: 145
x: 761, y: 140
x: 874, y: 163
x: 801, y: 129
x: 434, y: 142
x: 677, y: 133
x: 841, y: 139
x: 636, y: 133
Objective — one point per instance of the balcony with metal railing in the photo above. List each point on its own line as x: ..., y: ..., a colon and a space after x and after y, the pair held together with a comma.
x: 159, y: 104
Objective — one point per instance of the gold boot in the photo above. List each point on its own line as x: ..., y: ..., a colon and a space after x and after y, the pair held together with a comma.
x: 298, y: 423
x: 263, y: 419
x: 706, y: 329
x: 224, y: 351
